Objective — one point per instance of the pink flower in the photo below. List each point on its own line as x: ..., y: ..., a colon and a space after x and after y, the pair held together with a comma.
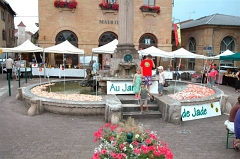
x: 169, y: 154
x: 103, y: 151
x: 107, y: 125
x: 113, y: 127
x: 121, y: 146
x: 114, y: 155
x: 153, y: 136
x: 98, y: 134
x: 135, y: 143
x: 136, y: 151
x: 111, y: 138
x: 148, y: 141
x: 157, y: 153
x: 95, y: 156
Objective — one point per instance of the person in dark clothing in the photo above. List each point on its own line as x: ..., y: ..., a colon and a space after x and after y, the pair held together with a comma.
x: 237, y: 83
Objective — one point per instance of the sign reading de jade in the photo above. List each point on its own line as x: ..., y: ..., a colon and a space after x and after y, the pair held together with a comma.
x: 126, y: 87
x: 200, y: 111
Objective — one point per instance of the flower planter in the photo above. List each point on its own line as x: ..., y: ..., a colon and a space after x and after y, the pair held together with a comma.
x: 149, y: 13
x: 109, y: 11
x: 66, y: 9
x: 150, y: 10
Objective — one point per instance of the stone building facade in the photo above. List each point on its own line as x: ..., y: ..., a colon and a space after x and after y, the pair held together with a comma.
x: 210, y: 35
x: 7, y: 38
x: 7, y: 25
x: 89, y: 26
x: 21, y: 34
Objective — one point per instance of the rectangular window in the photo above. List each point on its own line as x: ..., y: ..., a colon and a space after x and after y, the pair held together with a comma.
x: 149, y: 2
x: 110, y: 1
x: 3, y: 15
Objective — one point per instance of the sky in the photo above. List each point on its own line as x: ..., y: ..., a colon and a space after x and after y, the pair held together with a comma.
x: 195, y: 9
x: 182, y: 10
x: 27, y: 12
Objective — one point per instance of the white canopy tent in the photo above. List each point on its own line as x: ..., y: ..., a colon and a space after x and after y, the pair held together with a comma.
x: 225, y: 53
x: 27, y: 46
x: 106, y: 49
x: 155, y: 52
x: 182, y: 53
x: 64, y: 48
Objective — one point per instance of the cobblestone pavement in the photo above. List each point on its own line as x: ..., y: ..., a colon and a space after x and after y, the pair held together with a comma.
x: 53, y: 136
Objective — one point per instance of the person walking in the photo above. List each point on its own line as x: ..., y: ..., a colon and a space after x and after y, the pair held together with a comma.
x: 9, y: 66
x: 237, y: 81
x: 212, y: 77
x: 161, y: 80
x: 16, y: 68
x: 143, y: 93
x: 137, y: 82
x: 147, y: 65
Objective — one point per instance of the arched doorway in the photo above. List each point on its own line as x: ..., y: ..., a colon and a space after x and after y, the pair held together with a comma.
x: 72, y: 38
x: 146, y: 41
x: 105, y: 59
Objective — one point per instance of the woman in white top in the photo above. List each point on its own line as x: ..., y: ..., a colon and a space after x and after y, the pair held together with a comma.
x: 161, y: 80
x: 16, y: 68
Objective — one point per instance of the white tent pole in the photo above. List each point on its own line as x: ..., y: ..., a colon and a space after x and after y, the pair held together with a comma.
x: 44, y: 64
x: 84, y: 67
x: 2, y: 67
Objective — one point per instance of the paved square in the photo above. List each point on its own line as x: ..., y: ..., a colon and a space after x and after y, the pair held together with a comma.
x: 54, y: 136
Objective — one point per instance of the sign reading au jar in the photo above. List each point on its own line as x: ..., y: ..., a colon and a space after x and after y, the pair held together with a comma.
x: 126, y: 87
x: 200, y: 111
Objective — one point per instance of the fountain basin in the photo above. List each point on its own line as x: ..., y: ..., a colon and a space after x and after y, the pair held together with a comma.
x: 111, y: 106
x: 39, y: 104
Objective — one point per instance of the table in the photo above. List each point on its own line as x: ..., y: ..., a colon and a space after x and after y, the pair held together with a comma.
x: 228, y: 80
x: 57, y: 72
x: 185, y: 75
x: 167, y: 74
x: 225, y: 80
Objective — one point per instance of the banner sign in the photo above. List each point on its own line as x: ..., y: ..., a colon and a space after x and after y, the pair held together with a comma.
x: 177, y: 34
x: 200, y: 111
x: 126, y: 87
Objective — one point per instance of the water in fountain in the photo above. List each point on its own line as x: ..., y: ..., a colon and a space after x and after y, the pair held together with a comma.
x: 71, y: 87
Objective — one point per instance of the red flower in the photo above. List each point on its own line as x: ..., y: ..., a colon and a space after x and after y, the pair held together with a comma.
x: 62, y: 4
x: 145, y: 8
x: 115, y: 6
x: 70, y: 5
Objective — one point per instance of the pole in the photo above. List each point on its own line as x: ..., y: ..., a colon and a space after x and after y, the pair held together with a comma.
x: 19, y: 78
x: 31, y: 72
x: 25, y: 75
x: 9, y: 84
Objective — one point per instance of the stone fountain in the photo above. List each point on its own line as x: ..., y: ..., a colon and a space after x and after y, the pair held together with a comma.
x: 125, y: 58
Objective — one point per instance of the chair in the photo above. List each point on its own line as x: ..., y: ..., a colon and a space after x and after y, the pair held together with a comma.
x: 230, y: 134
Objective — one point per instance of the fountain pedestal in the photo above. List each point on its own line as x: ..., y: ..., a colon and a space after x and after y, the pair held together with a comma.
x: 126, y: 60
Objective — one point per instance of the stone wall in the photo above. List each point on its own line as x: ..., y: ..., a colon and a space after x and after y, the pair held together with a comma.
x: 89, y: 22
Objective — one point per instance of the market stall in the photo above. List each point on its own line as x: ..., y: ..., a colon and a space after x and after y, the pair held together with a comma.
x: 26, y: 47
x: 229, y: 79
x: 63, y: 68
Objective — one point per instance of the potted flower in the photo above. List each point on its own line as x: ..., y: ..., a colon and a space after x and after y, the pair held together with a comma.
x: 126, y: 140
x: 71, y: 4
x: 146, y: 8
x: 109, y: 6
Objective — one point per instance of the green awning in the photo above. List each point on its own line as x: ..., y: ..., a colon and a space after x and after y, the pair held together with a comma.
x: 234, y: 57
